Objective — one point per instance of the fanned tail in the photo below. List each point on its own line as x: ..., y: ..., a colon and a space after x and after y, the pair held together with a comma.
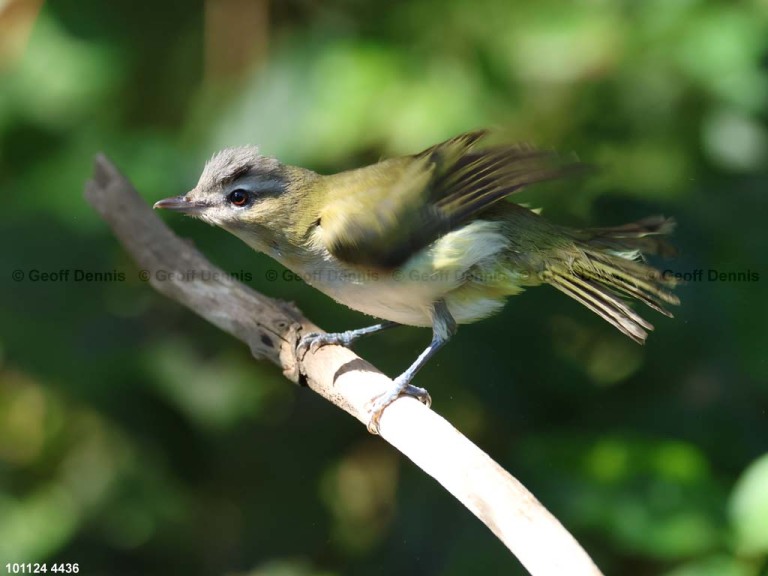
x: 609, y: 264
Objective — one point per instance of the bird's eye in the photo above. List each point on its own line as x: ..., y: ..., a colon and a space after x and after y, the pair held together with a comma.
x: 239, y: 197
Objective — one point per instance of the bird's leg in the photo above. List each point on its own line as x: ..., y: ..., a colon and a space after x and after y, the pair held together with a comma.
x: 443, y: 327
x: 315, y: 340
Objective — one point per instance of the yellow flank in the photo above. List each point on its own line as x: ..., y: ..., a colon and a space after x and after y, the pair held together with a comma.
x: 468, y: 268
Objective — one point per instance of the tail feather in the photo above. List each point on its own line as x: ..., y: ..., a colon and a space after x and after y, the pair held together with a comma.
x: 642, y: 237
x: 604, y: 304
x: 609, y: 264
x: 635, y: 279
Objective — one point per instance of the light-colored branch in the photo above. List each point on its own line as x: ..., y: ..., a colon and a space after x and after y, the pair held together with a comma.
x: 271, y: 329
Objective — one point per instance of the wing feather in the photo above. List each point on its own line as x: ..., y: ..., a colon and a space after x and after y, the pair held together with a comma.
x: 397, y: 207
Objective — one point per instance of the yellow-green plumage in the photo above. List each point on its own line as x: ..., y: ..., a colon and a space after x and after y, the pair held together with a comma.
x: 392, y: 238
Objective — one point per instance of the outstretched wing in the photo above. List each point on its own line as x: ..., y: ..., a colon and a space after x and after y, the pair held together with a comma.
x: 396, y: 207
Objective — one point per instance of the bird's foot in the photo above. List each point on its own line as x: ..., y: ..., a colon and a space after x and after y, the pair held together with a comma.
x: 400, y: 388
x: 314, y: 340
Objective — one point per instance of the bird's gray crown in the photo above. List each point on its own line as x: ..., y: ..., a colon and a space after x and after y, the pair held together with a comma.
x: 232, y: 163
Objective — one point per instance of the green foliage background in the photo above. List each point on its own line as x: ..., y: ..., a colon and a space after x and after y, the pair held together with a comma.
x: 137, y: 439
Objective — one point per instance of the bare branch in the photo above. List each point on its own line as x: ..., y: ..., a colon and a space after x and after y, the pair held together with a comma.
x: 271, y: 329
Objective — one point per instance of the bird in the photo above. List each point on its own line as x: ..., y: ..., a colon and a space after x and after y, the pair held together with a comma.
x: 431, y: 240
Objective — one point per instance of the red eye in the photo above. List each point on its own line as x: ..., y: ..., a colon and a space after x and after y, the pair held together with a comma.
x: 239, y: 197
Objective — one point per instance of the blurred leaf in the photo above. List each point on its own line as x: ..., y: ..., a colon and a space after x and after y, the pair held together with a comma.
x: 714, y: 566
x: 748, y: 508
x: 284, y: 568
x: 721, y: 49
x: 736, y: 141
x: 360, y: 491
x: 217, y: 392
x: 34, y: 528
x: 650, y: 497
x: 59, y: 80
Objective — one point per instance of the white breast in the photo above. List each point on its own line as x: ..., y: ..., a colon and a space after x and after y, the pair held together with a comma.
x: 448, y: 269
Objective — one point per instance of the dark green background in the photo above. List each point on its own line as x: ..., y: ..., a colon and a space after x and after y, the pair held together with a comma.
x: 137, y: 439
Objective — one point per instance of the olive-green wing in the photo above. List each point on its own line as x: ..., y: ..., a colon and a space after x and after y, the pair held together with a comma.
x: 391, y: 210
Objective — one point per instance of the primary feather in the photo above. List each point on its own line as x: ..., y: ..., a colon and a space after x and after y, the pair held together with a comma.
x: 400, y: 206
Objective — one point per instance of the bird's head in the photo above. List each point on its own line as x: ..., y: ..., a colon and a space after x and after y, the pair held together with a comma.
x: 238, y: 187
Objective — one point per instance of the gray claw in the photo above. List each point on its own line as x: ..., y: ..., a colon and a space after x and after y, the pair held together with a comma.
x: 379, y: 403
x: 311, y: 342
x: 420, y: 394
x: 315, y: 340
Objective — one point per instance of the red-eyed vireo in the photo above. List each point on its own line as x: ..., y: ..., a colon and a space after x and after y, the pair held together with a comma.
x: 428, y: 239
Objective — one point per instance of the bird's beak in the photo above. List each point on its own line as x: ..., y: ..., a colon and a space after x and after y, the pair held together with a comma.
x: 180, y: 204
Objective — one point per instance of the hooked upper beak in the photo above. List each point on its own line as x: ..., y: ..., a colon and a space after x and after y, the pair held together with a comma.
x: 180, y: 204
